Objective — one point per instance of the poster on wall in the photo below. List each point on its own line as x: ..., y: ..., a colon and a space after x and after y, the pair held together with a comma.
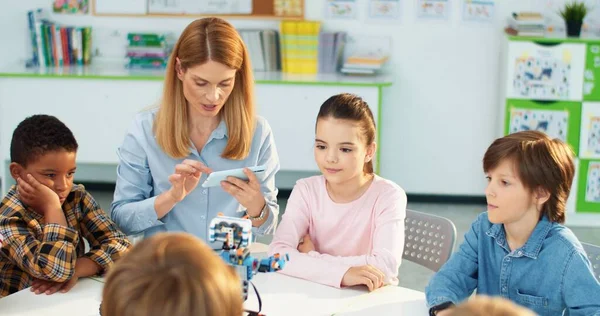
x: 593, y: 137
x: 544, y: 77
x: 341, y: 9
x: 590, y: 130
x: 591, y: 90
x: 433, y: 9
x: 288, y: 7
x: 553, y: 123
x: 384, y: 10
x: 71, y: 6
x: 478, y: 11
x: 592, y: 191
x: 542, y: 72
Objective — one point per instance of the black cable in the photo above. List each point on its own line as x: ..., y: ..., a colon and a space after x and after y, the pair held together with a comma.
x: 253, y: 313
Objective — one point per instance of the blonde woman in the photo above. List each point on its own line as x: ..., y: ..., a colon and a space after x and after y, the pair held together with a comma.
x: 172, y: 274
x: 205, y: 122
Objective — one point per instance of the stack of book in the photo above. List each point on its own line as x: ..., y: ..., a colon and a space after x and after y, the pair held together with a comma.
x: 331, y: 51
x: 526, y: 24
x: 55, y: 45
x: 149, y: 50
x: 263, y: 48
x: 300, y: 46
x: 364, y: 64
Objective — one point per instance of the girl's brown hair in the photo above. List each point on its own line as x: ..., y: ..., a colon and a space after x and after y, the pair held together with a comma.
x: 351, y: 107
x: 172, y: 274
x: 216, y: 40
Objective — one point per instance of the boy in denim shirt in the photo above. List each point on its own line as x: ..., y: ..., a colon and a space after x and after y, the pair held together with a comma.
x: 518, y: 249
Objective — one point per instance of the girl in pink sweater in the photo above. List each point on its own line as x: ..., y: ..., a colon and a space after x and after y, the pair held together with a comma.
x: 346, y: 226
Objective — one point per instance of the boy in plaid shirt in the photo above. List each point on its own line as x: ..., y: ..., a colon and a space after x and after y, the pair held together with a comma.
x: 44, y: 217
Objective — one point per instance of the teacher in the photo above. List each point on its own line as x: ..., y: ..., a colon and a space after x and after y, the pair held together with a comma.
x: 205, y: 122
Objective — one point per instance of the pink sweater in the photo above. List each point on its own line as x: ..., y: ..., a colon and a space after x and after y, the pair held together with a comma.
x: 368, y: 230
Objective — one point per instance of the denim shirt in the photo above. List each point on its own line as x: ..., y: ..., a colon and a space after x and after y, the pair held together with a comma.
x: 144, y: 170
x: 549, y: 274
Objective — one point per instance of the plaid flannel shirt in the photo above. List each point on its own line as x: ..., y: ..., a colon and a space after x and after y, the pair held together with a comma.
x: 31, y: 249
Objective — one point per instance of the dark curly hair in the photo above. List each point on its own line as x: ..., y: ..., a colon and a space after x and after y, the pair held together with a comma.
x: 38, y: 135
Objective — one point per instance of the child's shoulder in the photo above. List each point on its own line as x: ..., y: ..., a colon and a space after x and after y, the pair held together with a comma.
x: 14, y: 217
x: 11, y: 205
x: 78, y: 194
x: 387, y: 187
x: 314, y: 183
x: 562, y: 238
x: 379, y: 187
x: 482, y: 222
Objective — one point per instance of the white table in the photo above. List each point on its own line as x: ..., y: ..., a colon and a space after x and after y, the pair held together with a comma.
x: 281, y: 295
x: 83, y: 300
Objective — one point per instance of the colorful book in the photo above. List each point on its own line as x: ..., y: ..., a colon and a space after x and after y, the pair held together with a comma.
x: 56, y: 45
x: 86, y: 38
x: 151, y: 39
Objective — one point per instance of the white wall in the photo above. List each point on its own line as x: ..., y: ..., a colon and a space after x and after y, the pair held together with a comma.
x: 438, y: 117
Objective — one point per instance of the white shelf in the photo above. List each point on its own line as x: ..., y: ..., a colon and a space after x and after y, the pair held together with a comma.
x: 116, y: 71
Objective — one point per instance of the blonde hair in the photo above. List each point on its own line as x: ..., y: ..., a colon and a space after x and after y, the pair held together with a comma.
x: 481, y: 305
x: 172, y: 274
x: 207, y: 39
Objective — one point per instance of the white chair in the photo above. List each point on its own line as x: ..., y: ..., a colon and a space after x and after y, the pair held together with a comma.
x: 428, y: 239
x: 593, y: 253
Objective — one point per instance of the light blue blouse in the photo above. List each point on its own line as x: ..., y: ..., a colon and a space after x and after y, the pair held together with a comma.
x: 144, y: 170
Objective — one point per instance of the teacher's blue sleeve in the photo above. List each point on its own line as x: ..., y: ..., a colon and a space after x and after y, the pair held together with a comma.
x: 132, y: 208
x: 268, y: 157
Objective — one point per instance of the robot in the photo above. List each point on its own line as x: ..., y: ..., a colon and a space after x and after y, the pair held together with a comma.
x: 236, y: 235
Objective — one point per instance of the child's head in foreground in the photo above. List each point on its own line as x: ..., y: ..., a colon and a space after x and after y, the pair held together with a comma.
x: 172, y: 274
x: 480, y: 305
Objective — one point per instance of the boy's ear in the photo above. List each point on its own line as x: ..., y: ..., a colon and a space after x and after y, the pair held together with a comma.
x: 15, y: 170
x: 541, y: 196
x: 371, y: 150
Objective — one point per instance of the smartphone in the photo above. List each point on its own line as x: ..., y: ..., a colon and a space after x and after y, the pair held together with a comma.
x: 214, y: 179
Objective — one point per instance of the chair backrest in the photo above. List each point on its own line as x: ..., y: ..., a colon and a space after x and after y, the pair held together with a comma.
x: 593, y: 253
x: 428, y: 239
